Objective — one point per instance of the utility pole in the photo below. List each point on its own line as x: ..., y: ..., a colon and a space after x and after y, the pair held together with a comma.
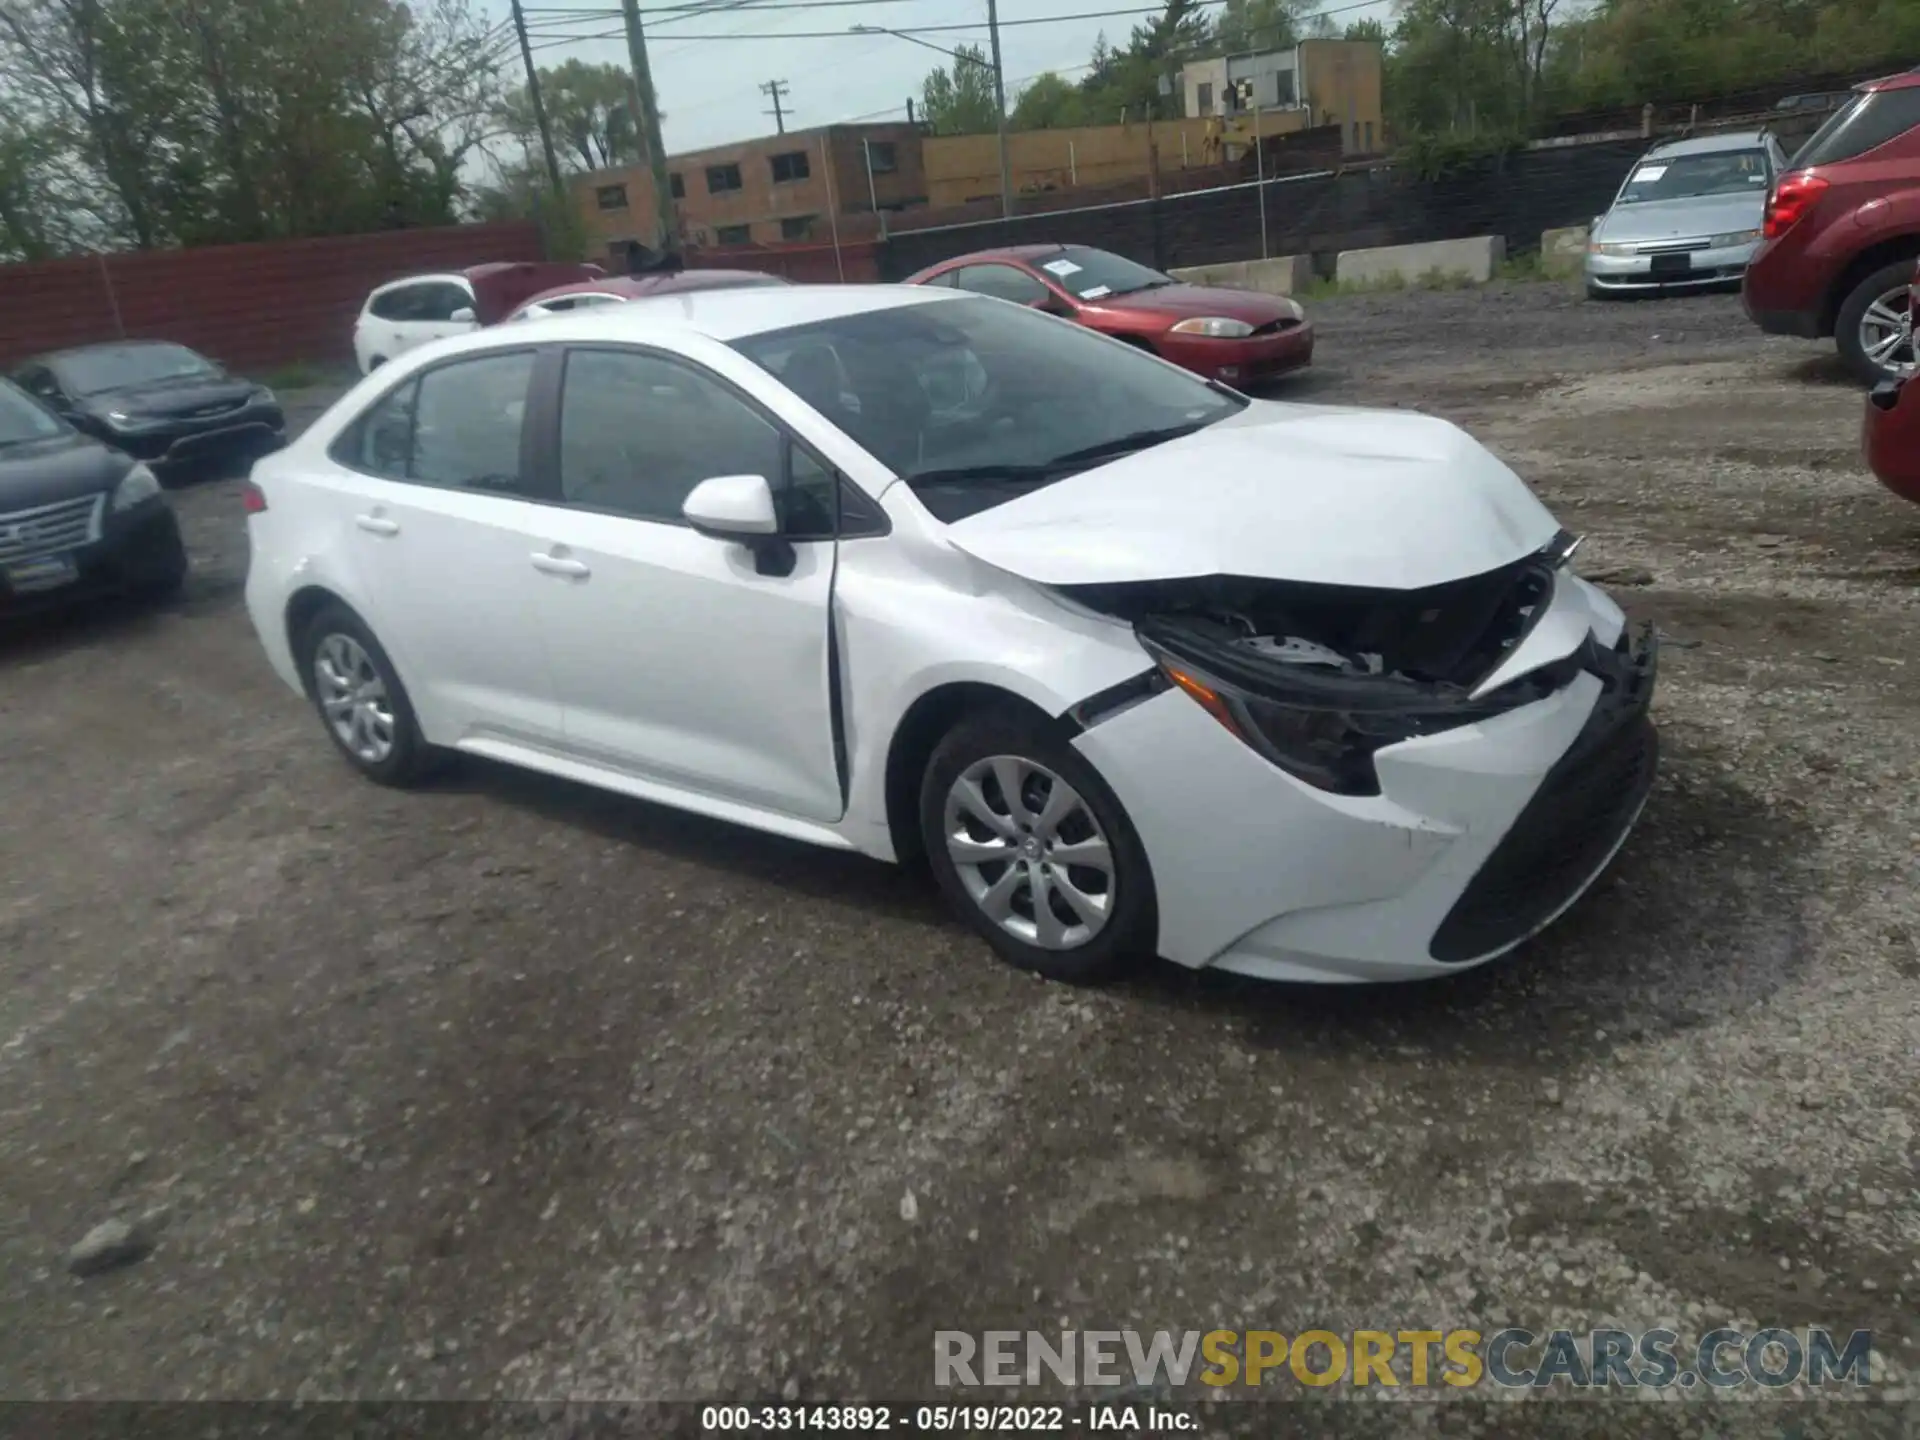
x: 1000, y: 108
x: 776, y: 90
x: 649, y: 127
x: 539, y: 107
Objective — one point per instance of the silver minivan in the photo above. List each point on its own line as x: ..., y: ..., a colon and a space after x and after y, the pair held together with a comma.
x: 1688, y: 216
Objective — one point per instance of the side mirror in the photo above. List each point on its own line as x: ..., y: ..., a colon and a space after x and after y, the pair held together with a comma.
x: 463, y: 316
x: 739, y: 508
x: 732, y: 507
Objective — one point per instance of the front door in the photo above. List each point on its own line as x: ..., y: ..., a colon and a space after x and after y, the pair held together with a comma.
x: 676, y: 657
x: 440, y: 526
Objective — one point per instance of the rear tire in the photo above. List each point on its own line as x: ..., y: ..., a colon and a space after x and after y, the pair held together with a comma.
x: 361, y: 703
x: 168, y: 576
x: 1073, y: 897
x: 1884, y: 291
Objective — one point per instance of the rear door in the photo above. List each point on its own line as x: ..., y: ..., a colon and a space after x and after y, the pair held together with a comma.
x: 438, y: 513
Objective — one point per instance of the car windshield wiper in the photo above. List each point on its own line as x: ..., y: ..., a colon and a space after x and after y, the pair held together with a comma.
x: 994, y: 474
x: 1127, y: 444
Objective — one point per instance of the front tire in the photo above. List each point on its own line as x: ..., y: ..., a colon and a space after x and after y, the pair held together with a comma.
x: 1034, y: 852
x: 360, y: 700
x: 1867, y: 328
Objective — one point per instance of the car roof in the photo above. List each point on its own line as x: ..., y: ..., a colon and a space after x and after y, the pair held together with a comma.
x: 725, y: 315
x: 1711, y: 144
x: 1902, y: 81
x: 634, y: 287
x: 54, y: 357
x: 450, y: 277
x: 1008, y: 252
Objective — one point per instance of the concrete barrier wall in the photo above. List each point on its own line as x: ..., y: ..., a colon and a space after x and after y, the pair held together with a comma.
x: 1563, y: 253
x: 1476, y: 259
x: 1282, y: 275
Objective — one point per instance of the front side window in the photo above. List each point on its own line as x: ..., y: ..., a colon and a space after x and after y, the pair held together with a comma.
x: 24, y: 420
x: 1003, y: 282
x: 639, y: 431
x: 457, y: 426
x: 1691, y: 177
x: 1868, y: 123
x: 118, y: 367
x: 1088, y: 274
x: 437, y: 302
x: 974, y: 403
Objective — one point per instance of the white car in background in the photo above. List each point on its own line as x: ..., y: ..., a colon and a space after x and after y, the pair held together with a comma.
x: 402, y: 314
x: 1140, y: 665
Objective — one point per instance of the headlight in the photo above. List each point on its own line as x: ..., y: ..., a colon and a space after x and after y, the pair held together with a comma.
x: 119, y: 417
x: 265, y: 396
x: 1214, y: 328
x: 1611, y: 247
x: 1733, y: 237
x: 1330, y: 749
x: 137, y: 486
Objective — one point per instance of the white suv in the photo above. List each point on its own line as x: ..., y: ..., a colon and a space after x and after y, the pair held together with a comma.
x: 410, y: 312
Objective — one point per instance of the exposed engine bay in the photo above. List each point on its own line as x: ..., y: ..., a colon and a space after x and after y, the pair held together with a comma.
x: 1441, y: 640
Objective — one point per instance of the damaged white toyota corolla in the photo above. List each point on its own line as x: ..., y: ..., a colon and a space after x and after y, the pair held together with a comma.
x: 1139, y: 664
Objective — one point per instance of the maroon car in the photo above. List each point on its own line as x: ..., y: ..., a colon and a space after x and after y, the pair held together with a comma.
x: 618, y: 289
x: 1235, y: 336
x: 1841, y: 232
x: 1890, y: 433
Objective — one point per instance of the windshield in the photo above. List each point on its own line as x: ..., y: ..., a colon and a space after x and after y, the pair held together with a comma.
x: 119, y: 367
x: 23, y: 420
x: 1095, y: 274
x: 974, y: 400
x: 1689, y: 177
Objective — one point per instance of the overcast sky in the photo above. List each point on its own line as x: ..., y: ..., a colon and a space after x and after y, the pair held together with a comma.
x: 709, y: 87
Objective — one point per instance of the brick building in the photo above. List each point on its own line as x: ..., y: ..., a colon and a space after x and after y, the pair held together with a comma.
x: 778, y: 188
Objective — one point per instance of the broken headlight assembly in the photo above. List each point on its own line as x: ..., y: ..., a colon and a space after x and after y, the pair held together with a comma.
x: 1320, y: 738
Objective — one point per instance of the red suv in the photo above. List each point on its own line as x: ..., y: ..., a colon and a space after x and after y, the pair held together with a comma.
x: 1841, y: 232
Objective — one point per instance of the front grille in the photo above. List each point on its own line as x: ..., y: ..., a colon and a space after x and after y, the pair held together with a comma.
x: 1564, y: 835
x: 50, y: 529
x: 225, y: 407
x: 1275, y: 327
x: 1672, y: 247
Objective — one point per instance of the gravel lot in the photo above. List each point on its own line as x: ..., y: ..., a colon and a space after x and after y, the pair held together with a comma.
x: 513, y: 1089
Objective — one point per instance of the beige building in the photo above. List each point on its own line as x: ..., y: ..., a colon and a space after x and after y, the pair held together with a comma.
x: 1330, y: 82
x: 965, y: 168
x: 779, y: 188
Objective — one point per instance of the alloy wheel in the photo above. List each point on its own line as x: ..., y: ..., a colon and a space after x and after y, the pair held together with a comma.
x: 1886, y: 332
x: 1030, y: 853
x: 353, y: 698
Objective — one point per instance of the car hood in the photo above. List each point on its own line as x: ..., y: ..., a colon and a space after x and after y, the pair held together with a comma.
x: 1317, y: 495
x: 1185, y: 302
x: 62, y: 468
x: 1655, y: 220
x: 172, y: 399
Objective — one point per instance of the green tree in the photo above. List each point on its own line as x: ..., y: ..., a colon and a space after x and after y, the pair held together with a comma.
x: 589, y: 110
x: 959, y: 99
x: 1049, y: 102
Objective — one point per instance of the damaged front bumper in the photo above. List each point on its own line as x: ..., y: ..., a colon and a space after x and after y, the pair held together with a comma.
x: 1470, y: 838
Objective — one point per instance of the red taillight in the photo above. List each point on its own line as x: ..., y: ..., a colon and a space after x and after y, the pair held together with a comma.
x: 1793, y: 196
x: 253, y: 499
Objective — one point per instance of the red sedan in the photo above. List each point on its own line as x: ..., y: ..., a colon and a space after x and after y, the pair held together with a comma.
x: 1891, y: 430
x: 618, y: 289
x: 1236, y: 336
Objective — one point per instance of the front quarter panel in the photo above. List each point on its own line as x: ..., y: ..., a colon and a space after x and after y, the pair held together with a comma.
x: 915, y: 615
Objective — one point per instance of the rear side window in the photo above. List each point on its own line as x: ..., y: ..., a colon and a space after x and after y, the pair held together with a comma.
x: 457, y: 426
x: 1868, y: 123
x: 1001, y: 281
x: 400, y: 304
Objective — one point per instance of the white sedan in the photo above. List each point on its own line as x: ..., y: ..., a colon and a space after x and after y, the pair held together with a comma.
x: 1139, y: 664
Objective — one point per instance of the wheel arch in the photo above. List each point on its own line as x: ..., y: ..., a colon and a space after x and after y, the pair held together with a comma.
x: 1885, y: 252
x: 305, y: 603
x: 926, y: 722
